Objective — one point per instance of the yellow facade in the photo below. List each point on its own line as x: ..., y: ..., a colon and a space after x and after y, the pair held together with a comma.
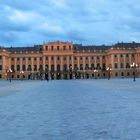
x: 64, y: 60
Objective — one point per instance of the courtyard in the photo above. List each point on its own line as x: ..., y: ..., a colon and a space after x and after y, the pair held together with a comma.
x: 70, y: 110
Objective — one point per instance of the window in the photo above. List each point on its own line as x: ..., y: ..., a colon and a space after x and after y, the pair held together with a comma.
x: 121, y: 55
x: 133, y: 55
x: 81, y: 66
x: 18, y: 76
x: 92, y: 66
x: 12, y: 59
x: 128, y: 74
x: 23, y: 58
x: 86, y: 67
x: 86, y: 58
x: 115, y: 56
x: 65, y: 67
x: 127, y: 65
x: 116, y: 74
x: 12, y: 67
x: 58, y: 58
x: 23, y: 67
x: 64, y: 57
x: 29, y: 59
x: 97, y: 57
x: 0, y: 57
x: 98, y: 65
x: 29, y: 68
x: 52, y: 67
x: 0, y: 67
x: 75, y: 58
x: 18, y: 67
x: 52, y: 47
x: 46, y: 47
x: 52, y: 58
x: 18, y: 59
x: 35, y: 67
x: 122, y: 74
x: 64, y: 47
x: 122, y: 66
x: 92, y: 58
x: 40, y: 58
x: 0, y: 76
x: 69, y: 47
x: 127, y: 55
x: 34, y: 58
x: 81, y: 58
x: 75, y: 66
x: 103, y: 57
x: 58, y: 48
x: 116, y: 66
x: 58, y: 67
x: 104, y: 66
x: 46, y: 58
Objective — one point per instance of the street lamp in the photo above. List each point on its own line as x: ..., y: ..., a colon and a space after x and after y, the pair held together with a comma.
x: 95, y: 71
x: 134, y: 66
x: 109, y: 72
x: 9, y: 73
x: 21, y: 74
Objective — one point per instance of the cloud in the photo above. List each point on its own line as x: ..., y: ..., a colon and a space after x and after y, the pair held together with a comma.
x: 102, y: 21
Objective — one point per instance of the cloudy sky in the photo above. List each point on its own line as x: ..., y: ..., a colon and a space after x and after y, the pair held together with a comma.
x: 96, y: 22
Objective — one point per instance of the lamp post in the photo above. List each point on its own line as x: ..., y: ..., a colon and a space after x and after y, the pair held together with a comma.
x: 95, y: 71
x: 9, y: 73
x: 134, y: 66
x: 109, y: 72
x: 21, y: 75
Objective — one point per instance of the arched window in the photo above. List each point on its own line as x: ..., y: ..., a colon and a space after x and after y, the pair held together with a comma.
x: 35, y: 67
x: 122, y: 74
x: 18, y: 67
x: 58, y: 67
x: 81, y: 66
x: 92, y: 66
x: 52, y: 67
x: 58, y: 48
x: 52, y: 47
x: 24, y: 67
x: 65, y: 67
x: 86, y: 67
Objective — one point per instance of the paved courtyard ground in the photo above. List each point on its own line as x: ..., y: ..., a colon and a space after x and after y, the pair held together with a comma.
x: 70, y: 110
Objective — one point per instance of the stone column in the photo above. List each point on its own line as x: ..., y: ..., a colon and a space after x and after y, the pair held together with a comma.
x: 89, y: 61
x: 37, y: 63
x: 124, y: 61
x: 78, y: 62
x: 21, y: 64
x: 101, y: 65
x: 49, y: 59
x: 130, y: 60
x: 55, y: 65
x: 118, y: 61
x: 15, y: 64
x: 32, y: 65
x: 95, y: 59
x: 61, y: 61
x: 44, y: 63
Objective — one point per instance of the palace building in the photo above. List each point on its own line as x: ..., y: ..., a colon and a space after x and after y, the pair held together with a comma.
x: 64, y: 60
